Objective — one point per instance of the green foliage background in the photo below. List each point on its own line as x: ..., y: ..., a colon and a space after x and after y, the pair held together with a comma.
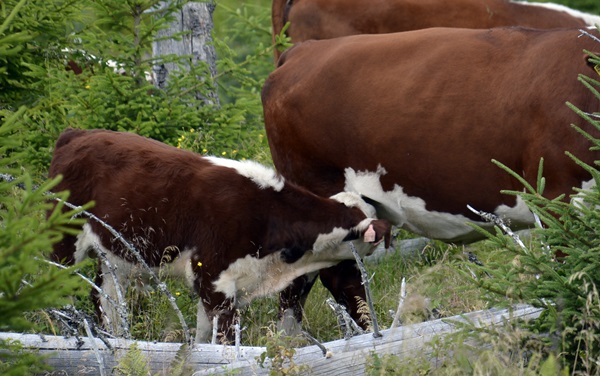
x: 39, y: 98
x: 94, y: 32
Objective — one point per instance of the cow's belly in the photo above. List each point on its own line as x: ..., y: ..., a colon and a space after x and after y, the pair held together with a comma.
x: 250, y: 277
x: 410, y: 213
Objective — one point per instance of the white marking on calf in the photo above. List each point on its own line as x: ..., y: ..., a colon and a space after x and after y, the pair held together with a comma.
x: 519, y: 215
x: 250, y: 277
x: 261, y: 175
x: 181, y: 267
x: 409, y: 212
x: 589, y: 19
x: 333, y: 239
x: 352, y: 199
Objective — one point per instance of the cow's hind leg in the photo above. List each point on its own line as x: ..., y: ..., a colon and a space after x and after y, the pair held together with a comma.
x: 228, y: 316
x: 224, y: 310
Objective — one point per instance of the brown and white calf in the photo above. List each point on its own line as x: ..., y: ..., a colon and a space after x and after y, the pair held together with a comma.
x: 234, y: 230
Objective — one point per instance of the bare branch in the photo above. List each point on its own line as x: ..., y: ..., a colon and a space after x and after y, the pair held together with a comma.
x: 238, y: 339
x: 215, y: 330
x: 314, y: 341
x: 401, y: 300
x: 344, y: 319
x: 500, y: 223
x: 86, y: 279
x: 94, y: 347
x: 365, y: 281
x: 120, y: 305
x: 587, y: 33
x: 140, y: 261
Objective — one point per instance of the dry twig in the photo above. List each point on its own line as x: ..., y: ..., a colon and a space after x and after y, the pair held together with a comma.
x: 365, y: 282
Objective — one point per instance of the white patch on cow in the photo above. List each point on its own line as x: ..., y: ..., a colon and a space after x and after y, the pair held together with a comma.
x: 261, y: 175
x: 589, y: 19
x: 250, y: 277
x: 181, y: 267
x: 352, y: 199
x: 332, y: 239
x: 337, y: 235
x: 85, y: 243
x: 409, y: 212
x: 519, y: 215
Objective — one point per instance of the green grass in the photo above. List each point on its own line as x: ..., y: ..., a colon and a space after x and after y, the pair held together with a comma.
x: 434, y: 283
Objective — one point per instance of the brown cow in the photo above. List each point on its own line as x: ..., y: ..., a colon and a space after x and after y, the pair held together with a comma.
x: 325, y: 19
x: 412, y: 121
x: 234, y: 230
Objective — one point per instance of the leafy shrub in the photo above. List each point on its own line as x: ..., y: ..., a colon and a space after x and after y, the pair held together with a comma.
x: 567, y: 287
x: 26, y: 282
x: 99, y: 34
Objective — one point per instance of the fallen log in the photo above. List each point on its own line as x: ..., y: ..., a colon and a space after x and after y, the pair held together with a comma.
x: 349, y: 357
x: 74, y: 356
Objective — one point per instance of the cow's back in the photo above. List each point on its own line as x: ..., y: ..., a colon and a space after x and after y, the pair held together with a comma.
x: 325, y: 19
x: 431, y: 107
x: 135, y: 184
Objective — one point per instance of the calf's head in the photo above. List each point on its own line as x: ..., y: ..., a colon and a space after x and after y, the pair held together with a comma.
x: 365, y: 233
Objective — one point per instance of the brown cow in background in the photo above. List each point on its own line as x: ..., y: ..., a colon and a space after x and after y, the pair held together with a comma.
x: 325, y: 19
x: 412, y: 121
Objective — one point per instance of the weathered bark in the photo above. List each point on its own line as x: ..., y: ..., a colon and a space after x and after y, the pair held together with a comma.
x: 195, y: 18
x: 73, y: 356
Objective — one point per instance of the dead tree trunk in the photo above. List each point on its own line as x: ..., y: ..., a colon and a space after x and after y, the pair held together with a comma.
x: 77, y: 356
x: 195, y: 20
